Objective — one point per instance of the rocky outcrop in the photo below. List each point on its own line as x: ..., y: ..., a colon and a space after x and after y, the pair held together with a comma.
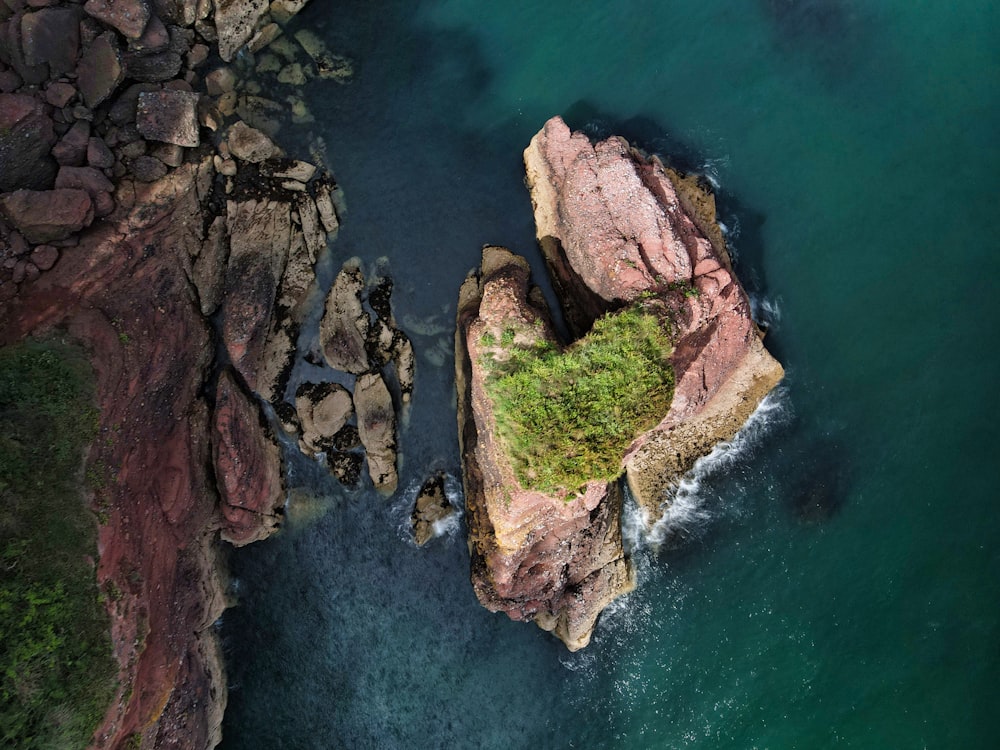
x: 248, y: 466
x: 614, y: 226
x: 430, y: 508
x: 617, y: 228
x: 555, y: 559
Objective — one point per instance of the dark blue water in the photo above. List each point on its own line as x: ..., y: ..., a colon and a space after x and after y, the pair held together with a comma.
x: 833, y: 579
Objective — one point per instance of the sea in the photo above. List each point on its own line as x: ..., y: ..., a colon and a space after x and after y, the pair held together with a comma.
x: 830, y: 578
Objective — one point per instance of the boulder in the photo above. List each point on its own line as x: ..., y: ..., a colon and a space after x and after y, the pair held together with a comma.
x: 235, y: 23
x: 26, y: 136
x: 168, y: 116
x: 377, y: 429
x: 44, y: 257
x: 430, y: 508
x: 100, y: 69
x: 128, y: 16
x: 71, y: 150
x: 250, y: 144
x: 98, y: 154
x: 247, y: 466
x: 151, y: 68
x: 343, y: 330
x: 323, y: 409
x: 59, y: 94
x: 47, y: 215
x: 51, y: 36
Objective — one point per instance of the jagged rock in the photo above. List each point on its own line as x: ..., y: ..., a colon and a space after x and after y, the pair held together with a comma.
x: 91, y: 180
x: 59, y: 94
x: 100, y: 69
x: 128, y: 16
x: 343, y: 331
x: 292, y: 170
x: 208, y: 268
x: 249, y: 144
x: 168, y: 116
x: 430, y: 508
x: 377, y: 429
x: 235, y: 22
x: 9, y: 81
x: 557, y: 558
x: 98, y: 154
x: 323, y: 410
x: 182, y: 12
x: 324, y: 204
x: 615, y: 225
x: 247, y: 466
x: 51, y: 36
x: 46, y: 215
x: 264, y: 36
x: 161, y: 66
x: 26, y: 136
x: 220, y: 81
x: 155, y: 38
x: 71, y: 150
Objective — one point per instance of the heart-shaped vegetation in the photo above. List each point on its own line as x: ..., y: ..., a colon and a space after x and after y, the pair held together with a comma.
x: 567, y: 417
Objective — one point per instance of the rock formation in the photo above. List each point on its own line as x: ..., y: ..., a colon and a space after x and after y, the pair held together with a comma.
x: 125, y: 222
x: 430, y: 508
x: 617, y: 228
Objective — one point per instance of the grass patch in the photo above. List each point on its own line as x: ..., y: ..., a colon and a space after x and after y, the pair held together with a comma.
x: 568, y: 417
x: 57, y: 674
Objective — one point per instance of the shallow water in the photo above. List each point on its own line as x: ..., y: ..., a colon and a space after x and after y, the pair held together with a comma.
x: 833, y: 580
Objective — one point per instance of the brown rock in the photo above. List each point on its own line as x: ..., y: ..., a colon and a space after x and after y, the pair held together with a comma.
x: 220, y: 81
x: 343, y: 331
x: 283, y: 10
x: 89, y: 179
x: 430, y: 508
x: 235, y: 23
x: 377, y: 430
x: 72, y: 148
x: 147, y: 168
x: 161, y: 66
x: 26, y: 136
x: 98, y: 154
x: 44, y: 257
x: 323, y: 409
x: 249, y: 144
x: 46, y: 215
x: 100, y: 69
x: 209, y: 266
x: 247, y: 465
x: 177, y: 11
x: 8, y: 290
x: 197, y: 56
x: 155, y: 38
x: 59, y: 94
x: 168, y: 116
x: 51, y: 36
x: 128, y: 16
x: 9, y: 81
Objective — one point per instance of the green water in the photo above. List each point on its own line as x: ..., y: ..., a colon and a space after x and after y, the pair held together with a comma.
x: 855, y: 146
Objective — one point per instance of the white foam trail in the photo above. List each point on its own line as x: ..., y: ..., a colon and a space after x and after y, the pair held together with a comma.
x: 766, y: 310
x: 685, y: 512
x: 447, y: 527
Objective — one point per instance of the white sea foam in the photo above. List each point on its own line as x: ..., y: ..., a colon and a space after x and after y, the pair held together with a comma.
x: 685, y: 512
x: 766, y: 310
x: 446, y: 527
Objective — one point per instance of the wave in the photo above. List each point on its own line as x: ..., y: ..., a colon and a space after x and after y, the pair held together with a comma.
x: 685, y: 512
x: 766, y: 311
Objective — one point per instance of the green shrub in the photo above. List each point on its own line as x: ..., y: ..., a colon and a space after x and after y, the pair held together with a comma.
x: 568, y: 417
x: 57, y: 674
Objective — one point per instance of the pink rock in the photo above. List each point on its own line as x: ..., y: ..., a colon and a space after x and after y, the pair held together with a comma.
x: 52, y: 36
x: 168, y: 116
x: 72, y: 147
x: 155, y: 38
x: 99, y: 155
x: 59, y: 94
x: 84, y: 178
x: 247, y: 466
x: 46, y: 215
x: 100, y: 69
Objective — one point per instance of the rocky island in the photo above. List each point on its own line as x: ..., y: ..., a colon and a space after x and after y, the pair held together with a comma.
x: 625, y: 238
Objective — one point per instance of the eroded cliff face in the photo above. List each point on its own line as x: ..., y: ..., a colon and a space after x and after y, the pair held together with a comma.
x: 616, y: 228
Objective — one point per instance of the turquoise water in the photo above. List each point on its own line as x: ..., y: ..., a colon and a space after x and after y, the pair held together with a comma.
x: 833, y: 579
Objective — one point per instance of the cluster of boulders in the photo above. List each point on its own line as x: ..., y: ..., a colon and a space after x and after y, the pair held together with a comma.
x: 91, y: 92
x: 359, y: 337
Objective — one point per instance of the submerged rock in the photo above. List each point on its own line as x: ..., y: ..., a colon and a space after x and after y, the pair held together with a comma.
x: 430, y: 507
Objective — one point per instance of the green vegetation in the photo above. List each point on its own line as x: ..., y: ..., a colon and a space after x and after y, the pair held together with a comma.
x: 57, y: 674
x: 567, y: 417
